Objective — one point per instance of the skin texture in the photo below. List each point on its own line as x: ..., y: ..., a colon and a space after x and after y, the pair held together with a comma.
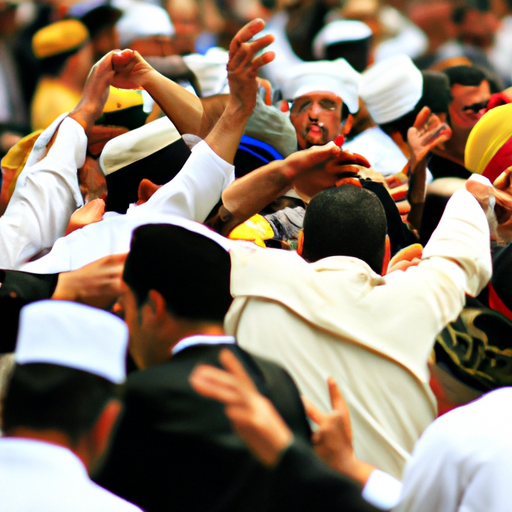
x: 316, y: 117
x: 464, y: 96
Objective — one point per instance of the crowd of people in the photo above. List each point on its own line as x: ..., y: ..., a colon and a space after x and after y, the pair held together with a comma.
x: 255, y: 255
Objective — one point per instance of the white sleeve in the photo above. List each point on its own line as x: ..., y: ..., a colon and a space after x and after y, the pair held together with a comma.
x: 195, y: 190
x: 46, y: 195
x: 382, y: 490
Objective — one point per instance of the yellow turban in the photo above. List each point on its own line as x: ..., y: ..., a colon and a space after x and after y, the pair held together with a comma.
x: 59, y: 37
x: 489, y: 145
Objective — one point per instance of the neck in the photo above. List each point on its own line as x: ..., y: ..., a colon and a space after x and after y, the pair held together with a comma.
x: 51, y: 436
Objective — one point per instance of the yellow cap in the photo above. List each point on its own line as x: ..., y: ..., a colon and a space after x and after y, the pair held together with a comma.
x: 59, y: 37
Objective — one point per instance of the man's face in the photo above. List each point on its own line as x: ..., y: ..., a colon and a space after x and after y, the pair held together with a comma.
x: 469, y: 104
x: 316, y: 118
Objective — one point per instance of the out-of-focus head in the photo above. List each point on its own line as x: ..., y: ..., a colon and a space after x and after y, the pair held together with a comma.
x: 100, y: 18
x: 348, y: 39
x: 489, y: 145
x: 62, y: 42
x: 345, y: 221
x: 67, y: 372
x: 391, y: 88
x: 471, y: 93
x: 146, y: 28
x: 319, y: 90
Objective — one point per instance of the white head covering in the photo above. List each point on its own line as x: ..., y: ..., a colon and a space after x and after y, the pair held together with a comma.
x: 141, y: 19
x: 391, y: 88
x: 137, y: 144
x: 210, y: 70
x: 336, y: 76
x: 339, y: 31
x: 73, y: 335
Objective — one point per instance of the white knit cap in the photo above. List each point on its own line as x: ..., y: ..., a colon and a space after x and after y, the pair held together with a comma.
x: 339, y: 31
x: 141, y: 19
x: 391, y: 88
x: 336, y: 76
x: 73, y: 335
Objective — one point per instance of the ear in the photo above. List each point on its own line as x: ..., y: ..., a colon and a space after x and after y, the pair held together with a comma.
x: 347, y: 127
x: 300, y: 245
x: 156, y: 303
x: 95, y: 443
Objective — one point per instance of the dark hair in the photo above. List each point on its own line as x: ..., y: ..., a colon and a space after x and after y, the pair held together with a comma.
x: 47, y: 396
x: 436, y: 95
x: 356, y: 53
x: 191, y: 271
x: 55, y: 64
x: 345, y: 221
x: 464, y: 75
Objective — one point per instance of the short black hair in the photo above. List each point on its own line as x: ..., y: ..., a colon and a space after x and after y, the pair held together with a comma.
x: 54, y: 65
x: 191, y: 271
x: 345, y: 221
x: 46, y: 396
x: 464, y: 75
x: 436, y: 95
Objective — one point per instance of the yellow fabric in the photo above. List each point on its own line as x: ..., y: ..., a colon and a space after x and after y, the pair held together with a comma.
x: 14, y: 162
x: 59, y: 37
x: 119, y: 99
x: 51, y: 99
x: 256, y: 229
x: 487, y: 137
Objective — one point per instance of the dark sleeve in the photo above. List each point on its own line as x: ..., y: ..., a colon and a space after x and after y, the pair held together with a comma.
x: 302, y: 482
x: 16, y: 290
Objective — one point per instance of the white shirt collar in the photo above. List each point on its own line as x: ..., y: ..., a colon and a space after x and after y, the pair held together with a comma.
x: 201, y: 339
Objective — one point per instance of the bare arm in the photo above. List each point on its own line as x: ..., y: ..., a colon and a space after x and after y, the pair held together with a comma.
x: 188, y: 113
x: 310, y: 171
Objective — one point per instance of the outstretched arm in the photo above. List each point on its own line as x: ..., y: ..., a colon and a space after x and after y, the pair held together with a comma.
x: 309, y: 171
x: 47, y: 190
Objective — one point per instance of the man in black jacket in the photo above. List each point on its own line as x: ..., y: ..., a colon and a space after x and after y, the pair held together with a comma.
x: 174, y: 449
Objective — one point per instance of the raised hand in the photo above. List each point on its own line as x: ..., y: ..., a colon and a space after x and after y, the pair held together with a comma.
x: 243, y: 66
x: 333, y: 440
x: 95, y: 93
x: 253, y: 416
x: 321, y: 167
x: 427, y: 132
x: 131, y: 70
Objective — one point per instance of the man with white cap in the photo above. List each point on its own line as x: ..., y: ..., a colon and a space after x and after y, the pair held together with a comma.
x: 319, y: 90
x: 394, y: 92
x: 348, y: 39
x: 60, y: 408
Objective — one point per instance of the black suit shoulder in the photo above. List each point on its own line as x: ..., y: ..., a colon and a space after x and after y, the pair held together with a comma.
x: 175, y: 448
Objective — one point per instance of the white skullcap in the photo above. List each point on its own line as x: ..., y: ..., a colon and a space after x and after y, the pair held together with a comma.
x: 340, y: 31
x: 137, y: 144
x: 336, y: 76
x: 73, y: 335
x: 141, y: 19
x: 210, y: 70
x: 391, y: 88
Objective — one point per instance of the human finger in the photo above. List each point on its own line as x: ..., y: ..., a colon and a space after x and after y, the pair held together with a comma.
x: 422, y: 118
x: 313, y: 411
x: 215, y: 383
x: 246, y: 51
x: 245, y: 34
x: 235, y: 368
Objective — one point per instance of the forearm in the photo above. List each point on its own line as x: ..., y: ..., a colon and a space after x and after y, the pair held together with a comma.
x: 250, y: 194
x: 188, y: 113
x: 46, y: 195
